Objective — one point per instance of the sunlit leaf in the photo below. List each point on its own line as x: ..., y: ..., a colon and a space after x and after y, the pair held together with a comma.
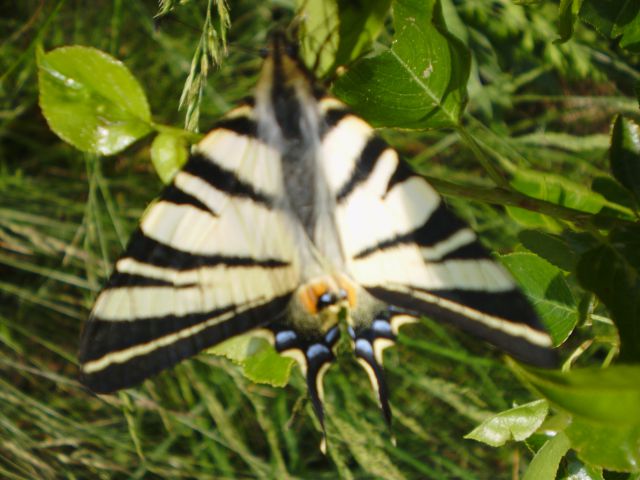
x: 545, y: 286
x: 260, y: 362
x: 420, y: 82
x: 515, y: 424
x: 168, y: 154
x: 544, y: 465
x: 91, y: 100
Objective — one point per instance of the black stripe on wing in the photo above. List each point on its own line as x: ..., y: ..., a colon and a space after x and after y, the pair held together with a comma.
x: 147, y: 250
x: 103, y: 338
x: 241, y: 125
x: 175, y: 195
x: 333, y: 116
x: 510, y: 307
x: 224, y: 180
x: 441, y: 225
x: 120, y: 280
x: 363, y: 167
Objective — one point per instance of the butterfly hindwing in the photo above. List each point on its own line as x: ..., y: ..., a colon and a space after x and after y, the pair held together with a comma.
x: 212, y: 258
x: 410, y: 251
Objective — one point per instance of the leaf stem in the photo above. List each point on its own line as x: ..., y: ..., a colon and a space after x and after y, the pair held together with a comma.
x: 501, y: 196
x: 483, y: 158
x: 191, y: 137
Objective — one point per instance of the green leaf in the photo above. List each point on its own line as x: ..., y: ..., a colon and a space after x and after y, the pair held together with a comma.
x: 360, y: 23
x: 553, y: 248
x: 557, y: 189
x: 612, y: 274
x: 260, y: 362
x: 613, y: 192
x: 420, y: 82
x: 611, y: 447
x: 566, y: 19
x: 319, y: 33
x: 530, y: 219
x: 605, y: 425
x: 336, y: 32
x: 267, y: 366
x: 608, y: 395
x: 237, y: 349
x: 613, y: 19
x: 168, y: 154
x: 545, y: 286
x: 580, y: 471
x: 624, y: 155
x: 91, y: 100
x: 517, y: 424
x: 544, y: 465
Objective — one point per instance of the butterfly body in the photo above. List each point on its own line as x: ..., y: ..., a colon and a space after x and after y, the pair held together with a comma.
x: 290, y: 211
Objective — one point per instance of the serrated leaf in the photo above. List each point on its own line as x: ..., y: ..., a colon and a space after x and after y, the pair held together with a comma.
x: 545, y: 286
x: 168, y: 154
x: 238, y: 348
x: 91, y: 100
x: 624, y: 155
x: 420, y: 82
x: 517, y: 424
x: 260, y: 362
x: 612, y: 274
x: 544, y: 465
x: 614, y: 18
x: 267, y: 366
x: 553, y: 248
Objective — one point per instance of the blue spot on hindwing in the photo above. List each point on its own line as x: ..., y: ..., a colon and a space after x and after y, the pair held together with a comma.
x: 318, y: 351
x: 286, y: 339
x: 364, y: 348
x: 381, y: 328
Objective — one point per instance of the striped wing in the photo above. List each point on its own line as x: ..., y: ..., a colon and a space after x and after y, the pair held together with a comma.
x: 211, y: 259
x: 407, y: 249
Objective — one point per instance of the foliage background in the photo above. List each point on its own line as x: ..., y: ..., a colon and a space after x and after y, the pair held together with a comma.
x: 539, y: 113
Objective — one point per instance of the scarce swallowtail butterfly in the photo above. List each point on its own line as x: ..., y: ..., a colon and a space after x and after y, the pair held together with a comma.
x: 288, y: 211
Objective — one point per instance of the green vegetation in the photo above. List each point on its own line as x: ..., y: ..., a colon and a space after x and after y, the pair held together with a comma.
x: 523, y: 114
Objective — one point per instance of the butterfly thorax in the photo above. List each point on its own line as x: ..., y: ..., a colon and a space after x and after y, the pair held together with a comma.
x: 289, y: 120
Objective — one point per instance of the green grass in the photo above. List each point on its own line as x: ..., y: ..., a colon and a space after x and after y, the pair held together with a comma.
x: 65, y: 216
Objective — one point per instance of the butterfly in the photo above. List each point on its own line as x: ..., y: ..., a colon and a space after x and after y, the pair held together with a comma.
x: 290, y: 211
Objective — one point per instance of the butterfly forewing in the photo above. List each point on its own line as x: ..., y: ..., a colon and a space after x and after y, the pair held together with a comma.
x: 212, y: 258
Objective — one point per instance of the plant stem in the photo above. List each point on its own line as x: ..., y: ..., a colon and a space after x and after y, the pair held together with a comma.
x: 482, y: 157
